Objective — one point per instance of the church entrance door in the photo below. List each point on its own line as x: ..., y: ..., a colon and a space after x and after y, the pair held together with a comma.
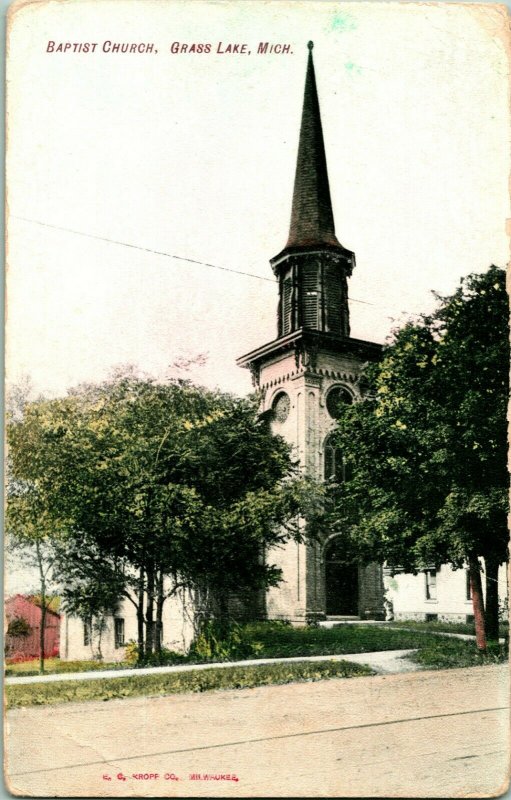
x: 341, y: 584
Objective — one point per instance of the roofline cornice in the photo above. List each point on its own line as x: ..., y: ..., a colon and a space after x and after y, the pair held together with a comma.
x: 371, y: 351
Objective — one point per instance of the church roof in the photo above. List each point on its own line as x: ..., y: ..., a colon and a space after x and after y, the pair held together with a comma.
x: 312, y: 219
x: 358, y: 349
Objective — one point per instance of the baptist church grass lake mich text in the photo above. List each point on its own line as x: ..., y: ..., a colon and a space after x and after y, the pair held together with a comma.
x: 199, y: 48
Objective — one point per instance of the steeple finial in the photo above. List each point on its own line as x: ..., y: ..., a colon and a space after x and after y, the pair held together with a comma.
x: 312, y: 219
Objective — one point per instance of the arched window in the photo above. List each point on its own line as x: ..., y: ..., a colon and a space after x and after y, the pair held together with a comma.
x: 335, y: 467
x: 336, y: 399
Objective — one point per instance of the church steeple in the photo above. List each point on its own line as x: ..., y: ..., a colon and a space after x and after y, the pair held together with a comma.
x: 312, y: 219
x: 313, y: 267
x: 310, y: 369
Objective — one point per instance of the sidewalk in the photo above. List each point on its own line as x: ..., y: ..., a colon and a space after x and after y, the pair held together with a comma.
x: 384, y: 662
x: 467, y: 637
x: 336, y: 623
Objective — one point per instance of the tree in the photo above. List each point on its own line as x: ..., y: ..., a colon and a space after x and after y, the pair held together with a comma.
x: 30, y: 537
x: 30, y: 530
x: 247, y: 499
x: 427, y: 447
x: 152, y: 482
x: 94, y: 458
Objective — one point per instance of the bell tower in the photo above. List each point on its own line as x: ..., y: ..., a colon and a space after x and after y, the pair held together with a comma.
x: 313, y: 268
x: 307, y: 373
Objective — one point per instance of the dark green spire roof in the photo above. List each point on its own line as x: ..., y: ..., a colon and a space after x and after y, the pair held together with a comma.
x: 312, y: 219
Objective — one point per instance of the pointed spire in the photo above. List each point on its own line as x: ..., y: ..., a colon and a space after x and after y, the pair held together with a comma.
x: 312, y: 219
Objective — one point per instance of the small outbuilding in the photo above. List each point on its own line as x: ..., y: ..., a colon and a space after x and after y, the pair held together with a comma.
x: 23, y: 616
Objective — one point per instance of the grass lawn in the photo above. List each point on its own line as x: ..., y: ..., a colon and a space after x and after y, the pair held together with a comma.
x: 441, y: 627
x: 265, y: 640
x: 284, y: 641
x: 175, y: 683
x: 442, y: 652
x: 52, y: 665
x: 434, y: 652
x: 444, y: 627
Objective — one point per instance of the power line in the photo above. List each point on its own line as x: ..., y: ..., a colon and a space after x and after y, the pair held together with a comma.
x: 169, y: 255
x: 145, y: 249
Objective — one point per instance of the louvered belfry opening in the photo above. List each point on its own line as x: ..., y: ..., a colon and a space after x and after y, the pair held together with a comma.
x: 313, y: 267
x: 314, y: 294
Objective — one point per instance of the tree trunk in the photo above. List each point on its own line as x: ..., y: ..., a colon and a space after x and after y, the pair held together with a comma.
x: 223, y: 613
x: 160, y: 599
x: 42, y: 628
x: 491, y: 617
x: 477, y: 603
x: 140, y: 617
x: 149, y: 615
x: 201, y: 608
x: 99, y: 627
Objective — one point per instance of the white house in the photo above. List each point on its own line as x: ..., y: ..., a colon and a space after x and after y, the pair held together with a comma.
x: 442, y: 594
x: 80, y: 642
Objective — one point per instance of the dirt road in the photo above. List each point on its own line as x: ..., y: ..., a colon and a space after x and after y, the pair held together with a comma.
x: 411, y: 735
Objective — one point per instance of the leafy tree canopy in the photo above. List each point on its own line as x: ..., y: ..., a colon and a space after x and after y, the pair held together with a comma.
x: 148, y: 480
x: 426, y: 449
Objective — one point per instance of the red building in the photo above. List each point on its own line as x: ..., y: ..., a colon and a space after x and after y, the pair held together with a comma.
x: 23, y: 616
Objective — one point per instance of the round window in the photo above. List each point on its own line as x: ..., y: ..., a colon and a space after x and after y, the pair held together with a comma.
x: 336, y: 399
x: 281, y: 406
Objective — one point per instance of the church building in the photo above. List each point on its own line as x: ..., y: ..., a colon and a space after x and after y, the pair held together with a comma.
x: 305, y: 376
x: 307, y: 373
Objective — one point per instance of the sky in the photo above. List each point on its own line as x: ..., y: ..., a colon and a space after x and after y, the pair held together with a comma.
x: 193, y: 155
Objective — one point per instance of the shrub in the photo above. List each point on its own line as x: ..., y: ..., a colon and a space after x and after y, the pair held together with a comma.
x: 131, y: 652
x: 163, y: 658
x: 18, y: 627
x: 214, y: 644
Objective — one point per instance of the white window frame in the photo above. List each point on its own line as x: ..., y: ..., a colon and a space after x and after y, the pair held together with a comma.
x: 119, y: 639
x: 87, y: 632
x: 431, y: 587
x: 468, y: 587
